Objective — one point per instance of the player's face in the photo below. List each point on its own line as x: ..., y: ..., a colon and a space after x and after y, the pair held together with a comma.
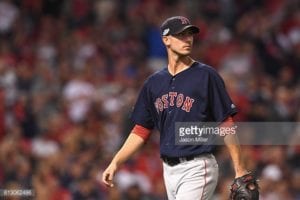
x: 182, y: 43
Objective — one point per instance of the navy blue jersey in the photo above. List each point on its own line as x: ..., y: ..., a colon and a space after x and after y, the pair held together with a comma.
x: 196, y: 94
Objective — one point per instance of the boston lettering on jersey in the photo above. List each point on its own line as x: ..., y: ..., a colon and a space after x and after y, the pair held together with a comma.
x: 197, y: 94
x: 172, y: 99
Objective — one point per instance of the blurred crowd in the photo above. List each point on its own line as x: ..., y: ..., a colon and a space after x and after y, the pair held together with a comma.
x: 70, y: 72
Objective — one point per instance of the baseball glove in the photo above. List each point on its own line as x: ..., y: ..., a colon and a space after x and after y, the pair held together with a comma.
x: 244, y: 188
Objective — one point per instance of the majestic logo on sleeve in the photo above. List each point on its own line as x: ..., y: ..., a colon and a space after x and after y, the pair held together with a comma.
x: 174, y: 99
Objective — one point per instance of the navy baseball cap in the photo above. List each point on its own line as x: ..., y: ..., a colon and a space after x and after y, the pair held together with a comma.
x: 177, y: 24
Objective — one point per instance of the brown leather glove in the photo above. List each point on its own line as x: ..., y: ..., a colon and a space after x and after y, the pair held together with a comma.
x: 245, y: 188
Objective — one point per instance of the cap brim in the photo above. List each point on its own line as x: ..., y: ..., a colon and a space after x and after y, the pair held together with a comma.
x: 193, y: 28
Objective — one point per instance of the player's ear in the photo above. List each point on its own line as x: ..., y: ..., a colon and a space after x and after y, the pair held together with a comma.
x: 166, y: 40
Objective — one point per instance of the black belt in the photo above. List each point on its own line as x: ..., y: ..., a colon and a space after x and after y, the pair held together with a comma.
x: 172, y: 161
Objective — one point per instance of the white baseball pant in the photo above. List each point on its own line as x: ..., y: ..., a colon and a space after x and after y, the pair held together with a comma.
x: 195, y: 179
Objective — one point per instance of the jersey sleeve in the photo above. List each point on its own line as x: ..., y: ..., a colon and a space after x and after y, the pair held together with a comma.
x: 220, y: 104
x: 141, y: 131
x: 141, y: 114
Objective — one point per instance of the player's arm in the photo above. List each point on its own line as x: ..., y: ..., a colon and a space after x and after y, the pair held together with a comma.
x: 135, y: 140
x: 232, y: 143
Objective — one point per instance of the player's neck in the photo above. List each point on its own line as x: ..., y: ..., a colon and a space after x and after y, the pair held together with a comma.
x: 179, y: 64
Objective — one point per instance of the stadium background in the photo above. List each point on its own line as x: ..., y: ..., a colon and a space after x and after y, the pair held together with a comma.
x: 70, y: 72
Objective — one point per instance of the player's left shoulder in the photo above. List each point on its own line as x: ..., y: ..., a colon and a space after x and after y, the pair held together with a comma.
x: 204, y: 68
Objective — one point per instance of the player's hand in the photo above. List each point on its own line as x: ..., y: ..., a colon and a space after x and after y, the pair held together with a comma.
x: 108, y: 175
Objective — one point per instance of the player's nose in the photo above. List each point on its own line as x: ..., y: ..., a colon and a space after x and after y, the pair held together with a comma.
x: 188, y: 38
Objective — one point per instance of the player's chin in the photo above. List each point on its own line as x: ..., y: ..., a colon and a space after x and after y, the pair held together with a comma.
x: 185, y: 53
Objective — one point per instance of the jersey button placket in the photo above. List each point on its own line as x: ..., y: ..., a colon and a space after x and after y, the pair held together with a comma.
x: 173, y: 83
x: 172, y: 89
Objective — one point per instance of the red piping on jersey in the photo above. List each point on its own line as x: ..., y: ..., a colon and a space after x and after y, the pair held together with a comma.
x: 141, y: 131
x: 204, y: 179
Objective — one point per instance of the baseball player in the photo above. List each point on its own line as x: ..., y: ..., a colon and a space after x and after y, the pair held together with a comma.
x: 184, y: 91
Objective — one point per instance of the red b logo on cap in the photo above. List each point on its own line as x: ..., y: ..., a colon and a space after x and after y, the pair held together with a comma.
x: 184, y: 20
